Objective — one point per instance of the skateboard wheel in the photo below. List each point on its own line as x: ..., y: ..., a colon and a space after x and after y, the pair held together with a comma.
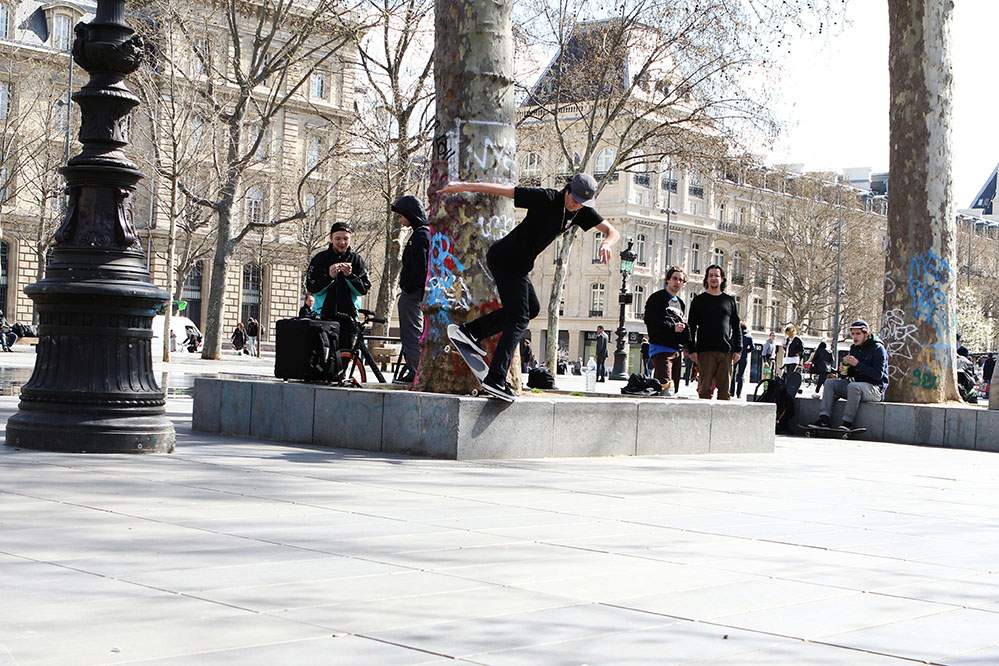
x: 447, y: 349
x: 808, y: 434
x: 846, y: 435
x: 475, y: 393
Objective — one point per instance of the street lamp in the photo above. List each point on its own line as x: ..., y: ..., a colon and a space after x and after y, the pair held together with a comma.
x: 624, y: 298
x: 93, y: 389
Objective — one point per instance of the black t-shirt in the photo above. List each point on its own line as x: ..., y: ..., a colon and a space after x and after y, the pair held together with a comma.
x: 713, y: 323
x: 546, y: 219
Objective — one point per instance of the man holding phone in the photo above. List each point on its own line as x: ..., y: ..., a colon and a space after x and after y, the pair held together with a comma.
x: 337, y: 278
x: 864, y: 377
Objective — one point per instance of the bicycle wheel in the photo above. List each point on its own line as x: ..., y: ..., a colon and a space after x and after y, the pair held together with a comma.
x: 352, y: 369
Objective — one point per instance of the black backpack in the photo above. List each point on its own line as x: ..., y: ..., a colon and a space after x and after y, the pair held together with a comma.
x: 540, y: 378
x: 776, y: 391
x: 639, y: 385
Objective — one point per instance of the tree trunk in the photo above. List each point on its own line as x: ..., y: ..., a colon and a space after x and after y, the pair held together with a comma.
x: 919, y: 325
x: 993, y: 390
x: 212, y: 348
x: 555, y: 299
x: 390, y: 269
x: 473, y: 60
x: 171, y: 262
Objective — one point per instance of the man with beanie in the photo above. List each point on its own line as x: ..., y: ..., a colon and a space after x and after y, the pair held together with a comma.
x: 412, y: 281
x: 550, y: 213
x: 866, y: 378
x: 337, y: 278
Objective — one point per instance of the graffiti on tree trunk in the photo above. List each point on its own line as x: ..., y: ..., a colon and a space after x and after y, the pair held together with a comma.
x: 446, y: 289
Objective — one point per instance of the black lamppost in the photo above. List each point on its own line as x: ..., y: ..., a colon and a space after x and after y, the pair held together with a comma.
x: 93, y: 389
x: 620, y: 370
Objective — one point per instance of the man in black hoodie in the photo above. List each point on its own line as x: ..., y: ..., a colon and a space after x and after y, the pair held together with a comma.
x: 412, y: 281
x: 337, y: 277
x: 866, y: 378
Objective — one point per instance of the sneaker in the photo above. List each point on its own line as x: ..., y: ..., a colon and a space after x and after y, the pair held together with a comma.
x: 459, y: 334
x: 498, y: 390
x: 667, y: 393
x: 405, y: 376
x: 823, y: 422
x: 846, y: 426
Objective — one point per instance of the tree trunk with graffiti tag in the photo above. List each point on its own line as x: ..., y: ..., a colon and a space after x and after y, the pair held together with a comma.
x: 475, y: 141
x: 919, y: 325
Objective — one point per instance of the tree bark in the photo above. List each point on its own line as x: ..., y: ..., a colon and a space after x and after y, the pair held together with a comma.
x: 171, y: 263
x: 473, y: 59
x: 919, y: 325
x: 555, y: 299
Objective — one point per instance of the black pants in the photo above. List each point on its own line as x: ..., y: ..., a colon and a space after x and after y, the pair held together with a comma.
x: 519, y: 306
x: 602, y: 369
x: 737, y: 379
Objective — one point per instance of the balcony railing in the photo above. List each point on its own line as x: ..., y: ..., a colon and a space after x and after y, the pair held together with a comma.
x: 596, y: 313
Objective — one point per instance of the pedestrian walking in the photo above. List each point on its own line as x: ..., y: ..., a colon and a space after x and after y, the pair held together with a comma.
x: 527, y: 361
x: 768, y: 353
x: 238, y: 338
x: 252, y: 337
x: 601, y: 354
x: 740, y: 368
x: 822, y: 365
x: 550, y: 213
x: 715, y: 334
x: 793, y: 350
x: 664, y: 317
x: 412, y: 283
x: 987, y: 371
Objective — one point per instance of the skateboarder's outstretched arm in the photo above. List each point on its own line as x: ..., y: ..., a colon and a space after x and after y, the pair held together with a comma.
x: 492, y: 189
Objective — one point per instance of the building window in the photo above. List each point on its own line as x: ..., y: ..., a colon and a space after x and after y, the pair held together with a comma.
x: 757, y: 314
x: 4, y: 279
x: 642, y: 180
x: 6, y: 14
x: 695, y: 257
x: 668, y: 180
x: 737, y: 275
x: 531, y: 173
x: 62, y: 32
x: 598, y: 238
x: 638, y: 302
x: 604, y: 161
x: 252, y: 280
x: 598, y: 296
x: 718, y: 257
x: 254, y: 205
x: 6, y: 180
x: 695, y: 187
x: 191, y: 292
x: 319, y: 84
x: 640, y: 244
x: 561, y: 307
x: 313, y: 151
x: 6, y: 93
x: 738, y: 307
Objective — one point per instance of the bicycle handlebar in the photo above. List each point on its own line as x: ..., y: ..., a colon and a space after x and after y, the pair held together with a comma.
x: 369, y: 316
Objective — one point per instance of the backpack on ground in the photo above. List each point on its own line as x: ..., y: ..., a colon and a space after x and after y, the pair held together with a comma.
x: 776, y: 391
x: 540, y: 378
x: 639, y: 385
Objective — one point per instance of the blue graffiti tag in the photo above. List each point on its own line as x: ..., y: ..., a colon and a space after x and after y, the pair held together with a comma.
x: 929, y: 282
x: 445, y: 287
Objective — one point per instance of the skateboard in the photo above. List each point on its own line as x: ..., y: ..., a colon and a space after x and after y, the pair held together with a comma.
x: 475, y: 362
x: 834, y: 433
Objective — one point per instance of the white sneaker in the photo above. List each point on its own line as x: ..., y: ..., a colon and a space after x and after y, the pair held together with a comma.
x: 667, y: 393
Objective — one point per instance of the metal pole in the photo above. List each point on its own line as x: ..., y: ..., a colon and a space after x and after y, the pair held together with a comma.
x: 669, y: 206
x: 839, y: 275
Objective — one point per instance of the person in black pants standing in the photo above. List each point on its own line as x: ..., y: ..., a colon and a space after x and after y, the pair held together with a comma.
x: 412, y: 283
x: 550, y: 213
x: 601, y: 354
x: 740, y: 367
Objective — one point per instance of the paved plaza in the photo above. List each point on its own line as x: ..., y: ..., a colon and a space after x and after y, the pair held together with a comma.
x: 245, y: 552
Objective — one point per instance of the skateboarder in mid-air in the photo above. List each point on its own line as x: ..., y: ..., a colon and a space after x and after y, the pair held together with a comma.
x: 550, y: 213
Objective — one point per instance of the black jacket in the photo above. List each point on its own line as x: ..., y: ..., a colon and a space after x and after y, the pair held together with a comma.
x: 416, y: 255
x: 988, y: 369
x: 713, y: 323
x: 821, y: 361
x: 873, y: 366
x: 339, y: 298
x: 660, y: 322
x: 601, y: 351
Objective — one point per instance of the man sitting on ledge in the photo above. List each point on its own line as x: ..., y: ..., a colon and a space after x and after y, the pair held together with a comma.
x: 865, y: 380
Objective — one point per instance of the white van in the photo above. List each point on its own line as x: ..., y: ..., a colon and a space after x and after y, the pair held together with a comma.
x: 179, y: 326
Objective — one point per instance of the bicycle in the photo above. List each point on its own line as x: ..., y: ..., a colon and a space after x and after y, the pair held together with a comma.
x: 351, y: 361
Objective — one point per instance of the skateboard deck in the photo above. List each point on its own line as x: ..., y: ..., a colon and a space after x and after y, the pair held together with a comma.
x: 834, y: 433
x: 475, y: 362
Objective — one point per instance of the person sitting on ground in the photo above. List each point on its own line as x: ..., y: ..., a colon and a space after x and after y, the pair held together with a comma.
x: 239, y: 338
x: 306, y: 311
x: 338, y: 278
x: 866, y: 378
x: 967, y: 376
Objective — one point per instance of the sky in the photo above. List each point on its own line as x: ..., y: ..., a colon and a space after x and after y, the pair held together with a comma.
x: 833, y: 96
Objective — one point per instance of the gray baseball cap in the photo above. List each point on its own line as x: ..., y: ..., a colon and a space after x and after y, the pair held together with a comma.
x: 583, y: 187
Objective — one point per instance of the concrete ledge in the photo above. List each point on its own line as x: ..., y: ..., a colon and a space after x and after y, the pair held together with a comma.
x: 952, y: 426
x: 463, y: 428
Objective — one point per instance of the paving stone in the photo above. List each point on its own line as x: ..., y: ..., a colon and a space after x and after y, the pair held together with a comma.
x: 673, y: 426
x: 283, y: 411
x: 742, y: 427
x: 207, y: 405
x: 350, y: 419
x: 962, y: 428
x: 595, y: 427
x: 235, y: 405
